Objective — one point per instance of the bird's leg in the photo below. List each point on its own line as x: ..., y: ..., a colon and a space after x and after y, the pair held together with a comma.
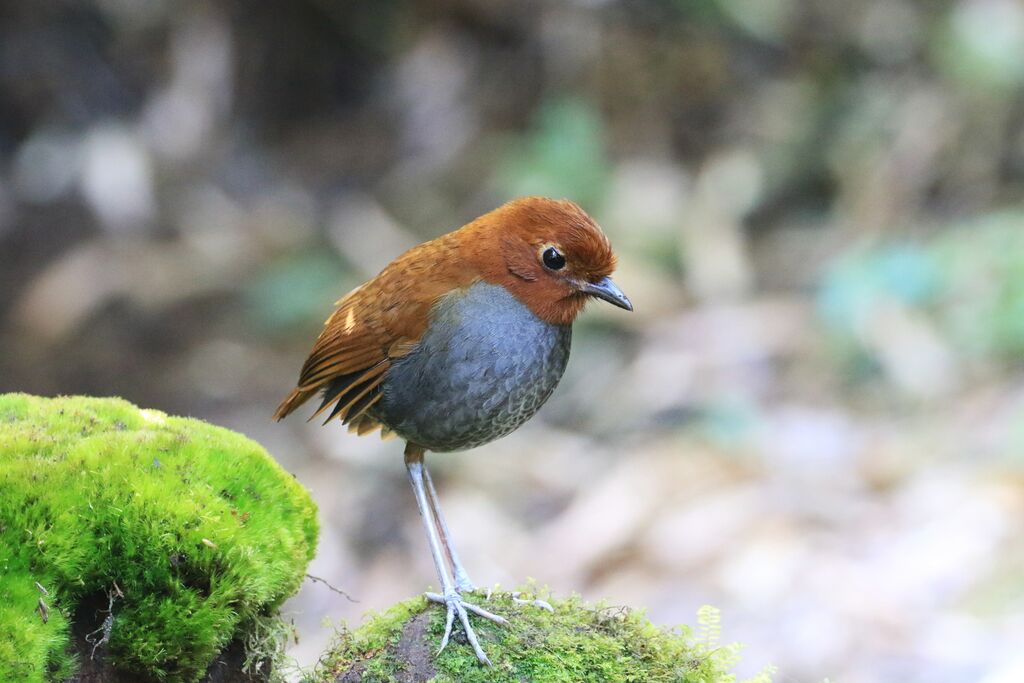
x: 463, y: 583
x: 450, y: 597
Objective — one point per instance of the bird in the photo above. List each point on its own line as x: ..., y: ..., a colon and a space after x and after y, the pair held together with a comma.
x: 456, y: 343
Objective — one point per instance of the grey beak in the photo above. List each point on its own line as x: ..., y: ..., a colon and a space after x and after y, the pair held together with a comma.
x: 609, y: 291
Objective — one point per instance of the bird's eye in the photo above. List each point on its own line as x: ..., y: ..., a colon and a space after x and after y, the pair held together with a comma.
x: 553, y: 259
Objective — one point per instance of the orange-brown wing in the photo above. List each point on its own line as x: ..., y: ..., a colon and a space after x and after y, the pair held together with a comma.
x: 374, y: 324
x: 354, y: 350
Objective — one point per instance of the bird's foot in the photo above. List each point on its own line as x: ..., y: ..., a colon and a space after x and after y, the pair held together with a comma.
x: 453, y: 601
x: 543, y: 604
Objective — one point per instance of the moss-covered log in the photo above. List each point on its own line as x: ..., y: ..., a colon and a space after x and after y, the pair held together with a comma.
x: 135, y: 546
x: 138, y: 546
x: 576, y: 643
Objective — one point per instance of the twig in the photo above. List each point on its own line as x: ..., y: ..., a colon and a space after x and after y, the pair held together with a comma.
x: 108, y: 623
x: 336, y: 590
x: 44, y: 610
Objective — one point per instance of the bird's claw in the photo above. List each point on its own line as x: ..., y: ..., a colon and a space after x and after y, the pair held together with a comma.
x: 453, y: 601
x: 543, y: 604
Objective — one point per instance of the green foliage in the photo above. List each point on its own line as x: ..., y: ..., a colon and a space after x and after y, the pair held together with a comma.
x: 563, y: 155
x: 968, y: 283
x: 292, y: 292
x: 981, y: 306
x: 982, y: 45
x: 862, y: 282
x: 578, y: 643
x: 769, y: 20
x: 195, y: 529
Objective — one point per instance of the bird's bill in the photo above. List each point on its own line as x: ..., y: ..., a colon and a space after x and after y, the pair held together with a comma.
x: 609, y: 291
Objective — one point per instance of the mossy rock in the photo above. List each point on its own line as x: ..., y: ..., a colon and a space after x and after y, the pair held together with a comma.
x: 191, y: 534
x: 577, y: 643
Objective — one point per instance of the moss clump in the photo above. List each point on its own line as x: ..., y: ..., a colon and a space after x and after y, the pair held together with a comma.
x: 578, y: 643
x: 194, y: 530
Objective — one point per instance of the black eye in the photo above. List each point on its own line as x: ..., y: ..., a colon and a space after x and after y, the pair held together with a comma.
x: 553, y: 259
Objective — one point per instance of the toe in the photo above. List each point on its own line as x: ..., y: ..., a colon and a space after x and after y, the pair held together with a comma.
x: 449, y: 620
x: 480, y: 612
x: 543, y: 604
x: 455, y: 605
x: 471, y: 636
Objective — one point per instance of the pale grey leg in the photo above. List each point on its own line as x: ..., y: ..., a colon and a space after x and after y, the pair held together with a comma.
x: 450, y: 598
x: 463, y: 583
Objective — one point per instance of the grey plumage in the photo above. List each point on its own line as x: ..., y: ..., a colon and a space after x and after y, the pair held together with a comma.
x: 484, y: 367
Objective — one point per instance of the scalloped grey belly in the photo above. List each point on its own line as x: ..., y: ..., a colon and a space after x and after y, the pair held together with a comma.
x: 484, y: 367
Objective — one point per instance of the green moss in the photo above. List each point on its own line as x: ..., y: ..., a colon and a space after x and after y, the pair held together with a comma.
x: 200, y: 532
x: 578, y: 643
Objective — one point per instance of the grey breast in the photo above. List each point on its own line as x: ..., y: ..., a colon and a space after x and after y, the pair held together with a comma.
x: 485, y: 365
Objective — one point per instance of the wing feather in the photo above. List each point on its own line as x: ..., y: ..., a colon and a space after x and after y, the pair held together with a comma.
x: 372, y: 326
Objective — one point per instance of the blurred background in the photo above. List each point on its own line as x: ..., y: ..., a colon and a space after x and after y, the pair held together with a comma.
x: 815, y: 418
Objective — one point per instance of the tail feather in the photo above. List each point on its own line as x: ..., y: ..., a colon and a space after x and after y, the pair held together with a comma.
x: 293, y: 401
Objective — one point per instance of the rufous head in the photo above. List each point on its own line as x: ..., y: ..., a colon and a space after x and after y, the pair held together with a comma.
x: 550, y: 254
